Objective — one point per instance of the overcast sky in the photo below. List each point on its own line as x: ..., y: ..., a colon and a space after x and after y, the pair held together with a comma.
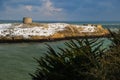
x: 61, y: 10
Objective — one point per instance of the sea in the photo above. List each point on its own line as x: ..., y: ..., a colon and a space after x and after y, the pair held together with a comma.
x: 17, y: 59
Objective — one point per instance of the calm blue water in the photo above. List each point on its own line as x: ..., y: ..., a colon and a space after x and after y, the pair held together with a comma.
x: 16, y: 60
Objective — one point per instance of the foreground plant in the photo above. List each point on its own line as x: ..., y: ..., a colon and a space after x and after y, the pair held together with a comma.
x: 79, y: 61
x: 111, y: 59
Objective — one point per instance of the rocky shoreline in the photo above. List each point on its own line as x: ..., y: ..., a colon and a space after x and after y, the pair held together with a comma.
x: 42, y: 32
x: 50, y: 40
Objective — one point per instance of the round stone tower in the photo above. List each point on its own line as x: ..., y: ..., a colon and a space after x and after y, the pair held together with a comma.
x: 27, y: 20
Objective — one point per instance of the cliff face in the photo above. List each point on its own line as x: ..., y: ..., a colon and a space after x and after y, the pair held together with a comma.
x: 51, y: 31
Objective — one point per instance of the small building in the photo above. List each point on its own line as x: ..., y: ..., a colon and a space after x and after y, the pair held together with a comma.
x: 27, y: 20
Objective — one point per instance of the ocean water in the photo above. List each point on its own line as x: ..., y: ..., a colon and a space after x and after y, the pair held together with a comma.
x: 16, y: 59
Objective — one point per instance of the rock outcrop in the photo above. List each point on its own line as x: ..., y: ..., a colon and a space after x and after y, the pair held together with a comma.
x: 51, y: 31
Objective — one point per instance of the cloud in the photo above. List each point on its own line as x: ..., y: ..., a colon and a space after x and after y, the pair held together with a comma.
x: 49, y: 9
x: 45, y: 11
x: 28, y: 7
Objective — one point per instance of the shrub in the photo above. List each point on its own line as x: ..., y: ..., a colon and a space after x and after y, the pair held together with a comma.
x: 111, y: 59
x: 79, y: 61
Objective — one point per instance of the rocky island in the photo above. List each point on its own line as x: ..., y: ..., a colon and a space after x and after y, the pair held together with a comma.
x: 51, y: 31
x: 16, y: 32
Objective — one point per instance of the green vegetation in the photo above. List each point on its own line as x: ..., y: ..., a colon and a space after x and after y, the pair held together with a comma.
x: 111, y: 59
x: 81, y: 60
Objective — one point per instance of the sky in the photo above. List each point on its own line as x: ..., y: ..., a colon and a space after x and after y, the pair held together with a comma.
x: 61, y: 10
